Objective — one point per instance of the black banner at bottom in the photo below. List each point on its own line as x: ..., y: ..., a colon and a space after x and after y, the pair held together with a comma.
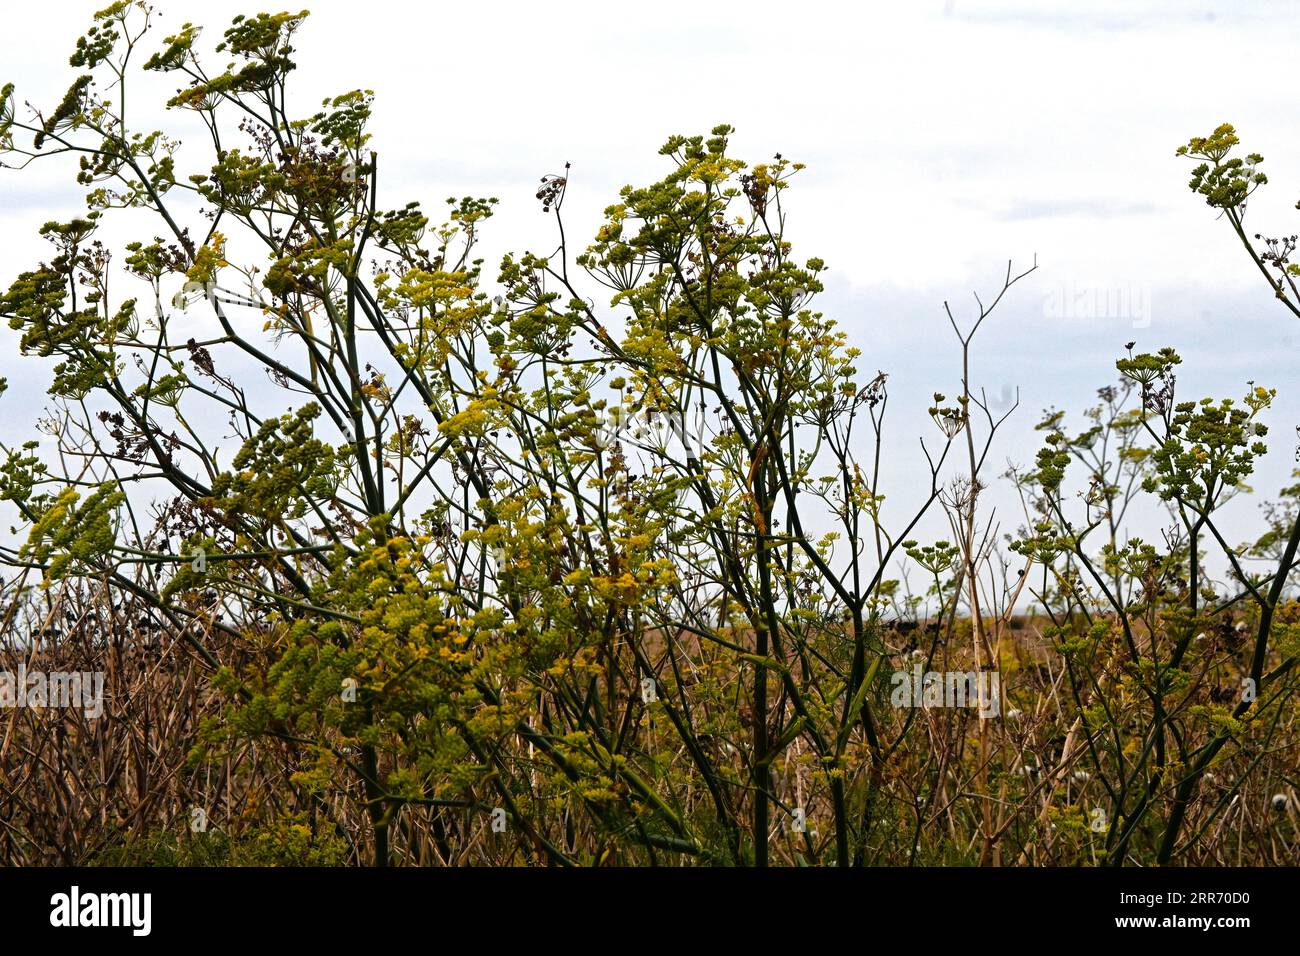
x: 645, y: 907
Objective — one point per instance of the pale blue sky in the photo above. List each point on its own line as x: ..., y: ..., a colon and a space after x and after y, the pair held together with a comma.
x: 942, y: 138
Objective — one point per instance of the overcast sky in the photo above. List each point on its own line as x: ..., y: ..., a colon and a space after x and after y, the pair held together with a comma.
x: 942, y: 139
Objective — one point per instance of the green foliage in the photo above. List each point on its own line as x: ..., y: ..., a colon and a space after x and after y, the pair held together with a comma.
x: 288, y: 841
x: 1224, y: 182
x: 1209, y: 446
x: 605, y: 556
x: 69, y: 534
x: 278, y: 472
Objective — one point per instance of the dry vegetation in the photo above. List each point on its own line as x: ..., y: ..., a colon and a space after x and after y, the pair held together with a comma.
x: 123, y: 790
x: 385, y: 562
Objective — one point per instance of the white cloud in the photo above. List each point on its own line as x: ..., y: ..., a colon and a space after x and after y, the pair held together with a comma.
x: 942, y: 138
